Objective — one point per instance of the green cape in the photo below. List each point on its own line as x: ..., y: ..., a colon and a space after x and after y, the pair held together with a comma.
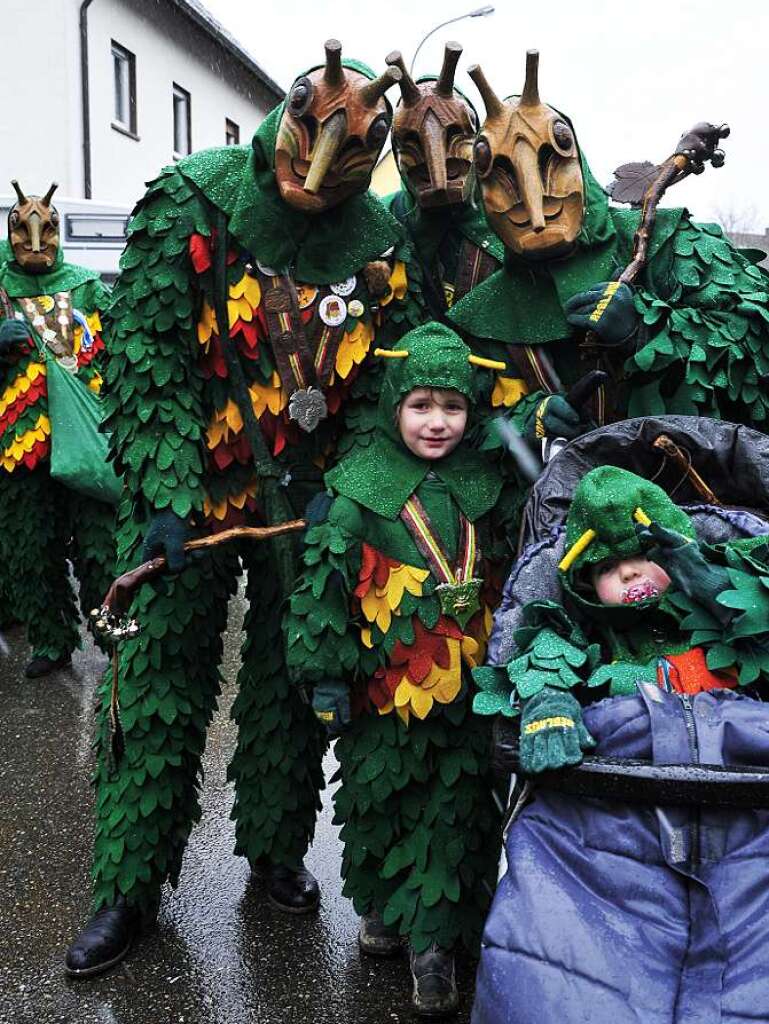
x: 323, y: 248
x: 21, y: 285
x: 382, y: 476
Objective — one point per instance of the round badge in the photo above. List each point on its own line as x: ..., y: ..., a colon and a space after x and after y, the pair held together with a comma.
x: 332, y: 310
x: 306, y: 295
x: 46, y: 303
x: 346, y: 287
x: 355, y: 307
x: 265, y: 269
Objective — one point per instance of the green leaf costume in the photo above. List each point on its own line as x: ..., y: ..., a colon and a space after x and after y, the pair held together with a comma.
x: 419, y: 824
x: 42, y: 524
x: 703, y: 344
x: 212, y: 239
x: 670, y: 639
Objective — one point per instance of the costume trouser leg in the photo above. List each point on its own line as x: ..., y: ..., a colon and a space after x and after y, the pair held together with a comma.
x: 93, y: 549
x: 277, y: 763
x: 420, y: 826
x: 35, y: 525
x: 147, y: 803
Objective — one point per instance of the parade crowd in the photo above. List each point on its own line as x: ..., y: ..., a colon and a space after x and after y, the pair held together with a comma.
x: 492, y: 456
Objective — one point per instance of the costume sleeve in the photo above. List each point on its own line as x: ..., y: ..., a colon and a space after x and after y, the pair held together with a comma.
x: 705, y: 310
x: 322, y: 641
x: 153, y: 402
x: 553, y: 652
x: 743, y: 643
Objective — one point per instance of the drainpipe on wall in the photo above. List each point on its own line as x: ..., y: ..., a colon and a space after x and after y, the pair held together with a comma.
x: 85, y: 97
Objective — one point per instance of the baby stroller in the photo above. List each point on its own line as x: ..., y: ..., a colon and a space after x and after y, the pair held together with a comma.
x: 635, y: 885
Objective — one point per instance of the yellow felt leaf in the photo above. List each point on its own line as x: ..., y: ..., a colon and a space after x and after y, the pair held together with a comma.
x: 365, y: 637
x: 421, y: 702
x: 508, y: 391
x: 94, y: 322
x: 206, y: 324
x: 354, y: 348
x: 95, y: 382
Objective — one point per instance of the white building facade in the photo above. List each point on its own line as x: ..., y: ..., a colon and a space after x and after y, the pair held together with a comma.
x: 102, y: 94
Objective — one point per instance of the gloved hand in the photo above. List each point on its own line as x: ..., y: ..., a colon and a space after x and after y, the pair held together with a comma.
x: 167, y: 535
x: 687, y: 567
x: 606, y: 308
x: 554, y: 417
x: 553, y: 734
x: 331, y: 704
x: 13, y: 333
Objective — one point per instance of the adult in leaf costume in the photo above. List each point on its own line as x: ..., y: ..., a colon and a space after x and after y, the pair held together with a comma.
x: 251, y: 290
x: 659, y: 652
x: 691, y: 337
x: 392, y: 610
x: 58, y: 306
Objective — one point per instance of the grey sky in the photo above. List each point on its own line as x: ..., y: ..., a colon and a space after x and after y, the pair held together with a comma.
x: 632, y: 77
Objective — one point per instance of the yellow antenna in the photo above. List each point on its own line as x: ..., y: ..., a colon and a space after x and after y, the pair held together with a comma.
x: 490, y: 364
x: 394, y: 353
x: 576, y: 550
x: 641, y: 517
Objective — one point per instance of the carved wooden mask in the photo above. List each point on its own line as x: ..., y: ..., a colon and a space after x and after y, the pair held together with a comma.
x: 433, y: 132
x: 332, y: 131
x: 527, y: 161
x: 33, y: 230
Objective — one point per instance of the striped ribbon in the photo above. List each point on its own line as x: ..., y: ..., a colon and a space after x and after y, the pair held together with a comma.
x: 429, y: 544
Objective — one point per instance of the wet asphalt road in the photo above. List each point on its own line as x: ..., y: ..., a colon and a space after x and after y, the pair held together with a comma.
x: 220, y: 953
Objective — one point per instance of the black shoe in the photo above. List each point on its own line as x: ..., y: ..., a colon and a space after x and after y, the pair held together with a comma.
x: 295, y: 892
x: 43, y: 666
x: 376, y: 938
x: 435, y: 988
x: 104, y: 941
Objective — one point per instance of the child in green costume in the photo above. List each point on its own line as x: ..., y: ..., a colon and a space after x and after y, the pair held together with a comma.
x: 673, y: 634
x: 392, y: 610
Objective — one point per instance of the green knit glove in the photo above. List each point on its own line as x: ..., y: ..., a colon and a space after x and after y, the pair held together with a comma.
x: 606, y: 308
x: 167, y: 535
x: 13, y: 333
x: 683, y: 561
x: 553, y: 417
x: 331, y: 704
x: 553, y: 734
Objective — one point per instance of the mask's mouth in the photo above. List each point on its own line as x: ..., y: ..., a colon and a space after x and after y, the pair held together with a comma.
x: 639, y: 592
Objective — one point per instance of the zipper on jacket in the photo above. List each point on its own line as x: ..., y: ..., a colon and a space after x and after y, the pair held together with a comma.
x: 694, y: 750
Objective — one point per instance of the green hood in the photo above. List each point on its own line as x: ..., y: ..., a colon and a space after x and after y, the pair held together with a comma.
x: 382, y: 476
x: 63, y: 277
x: 323, y: 248
x: 523, y: 302
x: 605, y: 501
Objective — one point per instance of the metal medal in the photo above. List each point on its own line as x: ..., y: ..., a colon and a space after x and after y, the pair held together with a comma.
x: 346, y: 287
x: 460, y: 601
x: 306, y: 294
x: 332, y: 310
x: 68, y: 363
x: 267, y: 270
x: 307, y: 407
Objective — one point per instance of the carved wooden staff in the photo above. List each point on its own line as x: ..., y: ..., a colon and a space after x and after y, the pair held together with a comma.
x: 109, y: 622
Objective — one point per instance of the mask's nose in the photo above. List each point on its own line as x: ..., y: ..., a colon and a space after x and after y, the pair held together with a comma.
x: 34, y: 232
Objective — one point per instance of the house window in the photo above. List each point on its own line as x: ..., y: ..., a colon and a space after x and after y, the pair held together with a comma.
x: 231, y: 133
x: 124, y: 87
x: 182, y: 122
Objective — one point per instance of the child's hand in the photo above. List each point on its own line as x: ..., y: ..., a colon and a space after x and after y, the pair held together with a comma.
x: 331, y: 704
x: 683, y: 560
x: 553, y: 734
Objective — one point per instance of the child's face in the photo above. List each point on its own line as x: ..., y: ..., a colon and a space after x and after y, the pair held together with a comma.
x: 627, y: 580
x: 432, y: 421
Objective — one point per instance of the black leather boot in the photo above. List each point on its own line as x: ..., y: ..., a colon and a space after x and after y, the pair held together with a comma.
x: 376, y: 938
x: 294, y: 892
x: 105, y: 940
x: 435, y: 988
x: 44, y: 666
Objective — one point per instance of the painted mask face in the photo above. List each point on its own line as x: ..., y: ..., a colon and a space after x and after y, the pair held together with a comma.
x: 332, y: 131
x: 33, y: 231
x: 527, y: 161
x: 433, y: 132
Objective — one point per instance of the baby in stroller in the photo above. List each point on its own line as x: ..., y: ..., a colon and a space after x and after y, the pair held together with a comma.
x: 637, y: 629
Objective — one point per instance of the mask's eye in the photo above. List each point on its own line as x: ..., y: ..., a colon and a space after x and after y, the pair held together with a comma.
x: 54, y: 220
x: 13, y: 220
x: 300, y: 96
x: 563, y: 137
x: 377, y: 132
x: 482, y: 157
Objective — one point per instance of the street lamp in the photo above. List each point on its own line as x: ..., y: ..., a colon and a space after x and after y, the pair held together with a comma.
x: 479, y: 12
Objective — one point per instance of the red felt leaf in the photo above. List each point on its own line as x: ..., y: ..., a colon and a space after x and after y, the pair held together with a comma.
x: 200, y: 253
